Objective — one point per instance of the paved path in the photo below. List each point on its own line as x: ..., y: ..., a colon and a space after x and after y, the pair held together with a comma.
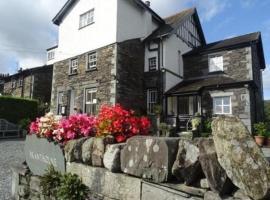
x: 11, y: 152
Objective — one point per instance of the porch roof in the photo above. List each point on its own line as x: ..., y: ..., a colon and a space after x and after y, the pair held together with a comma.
x: 194, y: 86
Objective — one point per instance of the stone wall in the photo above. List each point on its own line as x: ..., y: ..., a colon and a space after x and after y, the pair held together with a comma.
x: 237, y: 64
x: 100, y: 78
x: 130, y: 71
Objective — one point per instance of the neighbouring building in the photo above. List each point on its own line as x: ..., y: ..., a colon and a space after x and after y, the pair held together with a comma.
x: 121, y: 51
x: 2, y: 82
x: 34, y: 83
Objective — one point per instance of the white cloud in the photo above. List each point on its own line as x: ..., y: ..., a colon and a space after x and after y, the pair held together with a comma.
x: 26, y: 31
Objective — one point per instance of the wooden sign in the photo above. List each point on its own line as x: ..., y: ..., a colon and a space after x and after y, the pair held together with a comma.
x: 40, y: 154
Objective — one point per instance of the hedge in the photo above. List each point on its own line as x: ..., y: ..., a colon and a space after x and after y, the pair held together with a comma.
x: 15, y: 109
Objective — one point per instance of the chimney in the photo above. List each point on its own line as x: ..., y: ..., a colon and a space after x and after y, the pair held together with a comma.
x: 148, y: 3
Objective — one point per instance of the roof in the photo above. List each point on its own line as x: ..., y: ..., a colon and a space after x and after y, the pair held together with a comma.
x: 51, y: 48
x: 28, y: 71
x: 194, y: 86
x: 70, y: 3
x: 232, y: 43
x: 172, y: 22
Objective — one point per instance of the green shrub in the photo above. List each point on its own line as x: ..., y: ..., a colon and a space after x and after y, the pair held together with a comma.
x: 50, y: 181
x: 15, y: 109
x: 260, y: 128
x: 72, y: 188
x: 24, y: 123
x: 207, y: 125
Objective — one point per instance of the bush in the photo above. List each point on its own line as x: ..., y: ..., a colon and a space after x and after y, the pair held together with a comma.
x: 72, y: 188
x: 15, y: 109
x: 24, y: 124
x: 50, y: 182
x: 260, y: 128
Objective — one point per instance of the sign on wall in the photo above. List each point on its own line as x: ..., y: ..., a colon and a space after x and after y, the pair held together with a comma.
x: 40, y: 154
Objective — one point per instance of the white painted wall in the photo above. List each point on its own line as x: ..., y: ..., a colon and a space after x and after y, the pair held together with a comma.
x: 133, y: 21
x: 74, y: 41
x: 172, y: 45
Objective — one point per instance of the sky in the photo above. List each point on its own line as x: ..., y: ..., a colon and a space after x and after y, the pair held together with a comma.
x: 26, y: 29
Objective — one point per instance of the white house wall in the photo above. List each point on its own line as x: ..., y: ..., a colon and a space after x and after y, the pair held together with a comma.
x: 74, y: 41
x: 133, y: 21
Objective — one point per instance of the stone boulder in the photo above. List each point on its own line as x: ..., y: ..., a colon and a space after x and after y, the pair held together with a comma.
x: 187, y: 166
x: 98, y: 150
x: 240, y: 157
x: 215, y: 174
x: 149, y: 157
x: 87, y: 149
x: 111, y: 159
x: 73, y: 150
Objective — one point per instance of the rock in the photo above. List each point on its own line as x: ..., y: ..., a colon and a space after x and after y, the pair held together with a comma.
x: 98, y: 151
x: 212, y: 196
x: 73, y: 150
x: 215, y: 174
x: 187, y: 166
x: 204, y: 183
x: 241, y: 195
x: 111, y: 158
x: 35, y: 183
x: 149, y: 157
x: 87, y: 149
x: 240, y: 157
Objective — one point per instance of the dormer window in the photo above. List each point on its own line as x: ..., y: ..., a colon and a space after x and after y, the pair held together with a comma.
x: 153, y: 64
x: 215, y: 63
x: 87, y: 18
x: 50, y: 55
x: 73, y: 66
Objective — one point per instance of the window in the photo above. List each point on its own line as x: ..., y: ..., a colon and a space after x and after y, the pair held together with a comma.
x: 90, y: 101
x: 20, y: 82
x: 92, y: 61
x: 87, y: 18
x: 73, y: 66
x: 222, y: 105
x: 13, y: 84
x: 152, y: 64
x: 151, y: 100
x: 215, y: 63
x: 60, y: 103
x: 50, y: 55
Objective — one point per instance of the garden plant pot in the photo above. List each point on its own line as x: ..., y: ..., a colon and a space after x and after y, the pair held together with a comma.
x: 259, y: 140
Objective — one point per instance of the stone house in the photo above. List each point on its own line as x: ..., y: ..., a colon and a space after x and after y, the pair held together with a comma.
x: 34, y: 83
x: 121, y: 51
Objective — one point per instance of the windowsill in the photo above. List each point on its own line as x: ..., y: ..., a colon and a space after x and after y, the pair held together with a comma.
x: 86, y: 25
x: 73, y: 74
x: 153, y: 70
x: 216, y: 72
x: 91, y: 69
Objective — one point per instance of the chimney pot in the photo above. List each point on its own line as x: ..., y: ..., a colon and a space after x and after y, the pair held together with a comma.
x: 148, y: 3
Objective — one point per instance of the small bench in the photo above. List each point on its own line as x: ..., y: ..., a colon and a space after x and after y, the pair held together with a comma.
x: 8, y: 129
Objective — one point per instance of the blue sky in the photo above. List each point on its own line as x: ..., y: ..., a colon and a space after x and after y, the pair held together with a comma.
x: 25, y: 36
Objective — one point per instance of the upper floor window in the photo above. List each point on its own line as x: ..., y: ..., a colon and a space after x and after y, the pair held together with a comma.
x: 50, y: 55
x: 90, y: 101
x: 20, y: 82
x: 92, y: 61
x: 215, y: 63
x: 222, y: 105
x: 152, y: 96
x: 153, y: 64
x: 87, y: 18
x: 73, y: 66
x: 13, y: 84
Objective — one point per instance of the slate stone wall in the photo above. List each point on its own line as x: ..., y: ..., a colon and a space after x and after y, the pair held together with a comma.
x: 237, y: 64
x: 100, y: 78
x: 130, y: 71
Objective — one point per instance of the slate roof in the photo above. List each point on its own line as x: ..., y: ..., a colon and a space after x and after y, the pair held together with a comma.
x: 172, y: 23
x: 194, y: 86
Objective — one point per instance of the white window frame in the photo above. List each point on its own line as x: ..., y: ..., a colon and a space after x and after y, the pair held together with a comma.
x: 92, y: 101
x: 20, y: 82
x: 60, y: 102
x: 152, y: 63
x: 13, y: 84
x: 73, y: 68
x: 215, y: 63
x: 152, y: 97
x: 91, y: 60
x: 222, y: 105
x: 50, y: 55
x: 86, y: 18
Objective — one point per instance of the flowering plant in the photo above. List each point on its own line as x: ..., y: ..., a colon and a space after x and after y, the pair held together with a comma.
x: 120, y: 123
